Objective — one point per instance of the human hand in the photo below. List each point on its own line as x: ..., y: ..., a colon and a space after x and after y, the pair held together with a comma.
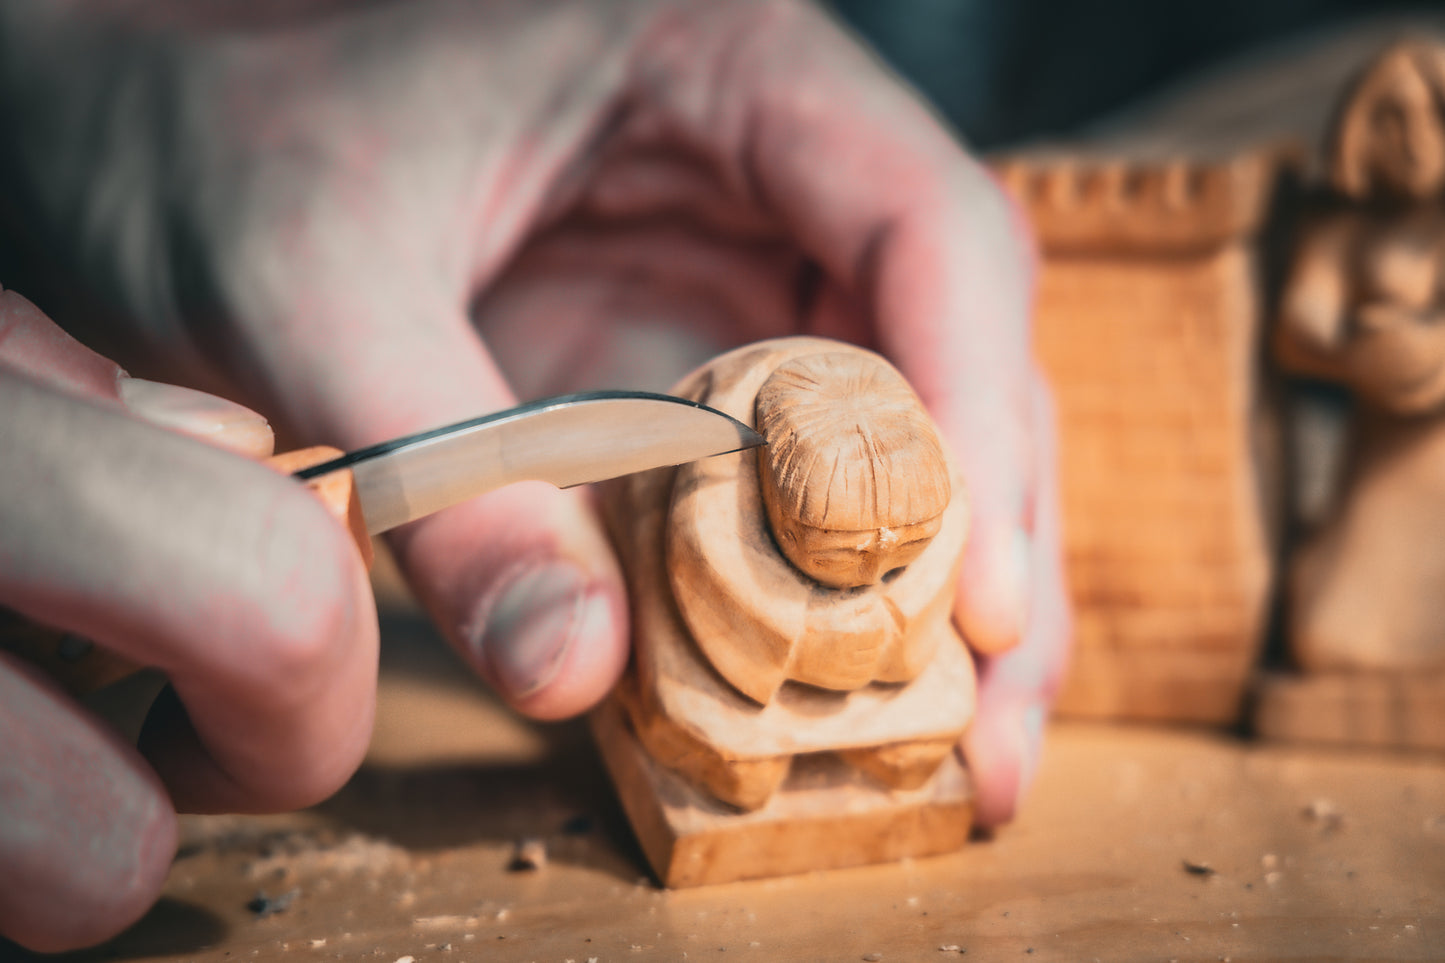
x: 328, y: 207
x: 176, y: 554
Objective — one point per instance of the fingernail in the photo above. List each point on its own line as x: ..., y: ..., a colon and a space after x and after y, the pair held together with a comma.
x: 1031, y: 729
x: 198, y: 414
x: 531, y: 623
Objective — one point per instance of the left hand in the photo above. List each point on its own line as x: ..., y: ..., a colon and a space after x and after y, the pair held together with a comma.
x: 168, y: 551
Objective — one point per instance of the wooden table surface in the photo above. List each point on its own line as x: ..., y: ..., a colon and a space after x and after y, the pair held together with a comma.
x: 1137, y: 844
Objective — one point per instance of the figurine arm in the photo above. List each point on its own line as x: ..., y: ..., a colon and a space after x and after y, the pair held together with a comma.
x: 1313, y: 309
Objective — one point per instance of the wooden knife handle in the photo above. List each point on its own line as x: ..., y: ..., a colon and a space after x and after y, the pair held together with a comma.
x: 82, y: 667
x: 337, y: 491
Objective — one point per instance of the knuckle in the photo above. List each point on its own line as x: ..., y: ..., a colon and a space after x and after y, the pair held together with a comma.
x: 308, y: 605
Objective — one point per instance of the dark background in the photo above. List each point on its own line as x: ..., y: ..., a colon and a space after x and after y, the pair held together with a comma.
x: 1004, y: 71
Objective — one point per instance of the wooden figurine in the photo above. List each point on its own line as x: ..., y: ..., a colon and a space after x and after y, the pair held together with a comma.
x: 797, y: 686
x: 1364, y: 307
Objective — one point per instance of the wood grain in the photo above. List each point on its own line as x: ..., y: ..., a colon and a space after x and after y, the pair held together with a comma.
x: 821, y: 817
x: 745, y: 668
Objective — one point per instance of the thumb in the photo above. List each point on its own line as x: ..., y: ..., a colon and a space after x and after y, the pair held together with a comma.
x: 521, y: 580
x: 526, y: 582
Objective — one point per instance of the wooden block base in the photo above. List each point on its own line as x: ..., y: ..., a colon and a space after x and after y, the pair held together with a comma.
x: 1188, y: 684
x: 827, y: 815
x: 1356, y: 709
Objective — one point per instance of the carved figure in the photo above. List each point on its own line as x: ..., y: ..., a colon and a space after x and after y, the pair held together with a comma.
x: 790, y: 604
x: 1364, y: 306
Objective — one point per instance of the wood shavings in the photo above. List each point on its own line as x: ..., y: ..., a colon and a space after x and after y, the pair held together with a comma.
x: 529, y: 854
x: 264, y: 906
x: 1326, y: 814
x: 304, y: 854
x: 449, y: 921
x: 952, y: 948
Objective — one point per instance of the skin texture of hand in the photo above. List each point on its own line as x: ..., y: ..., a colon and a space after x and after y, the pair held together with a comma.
x: 357, y: 216
x: 177, y: 554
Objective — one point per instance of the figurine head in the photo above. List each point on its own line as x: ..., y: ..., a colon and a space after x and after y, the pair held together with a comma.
x: 853, y: 477
x: 1389, y: 140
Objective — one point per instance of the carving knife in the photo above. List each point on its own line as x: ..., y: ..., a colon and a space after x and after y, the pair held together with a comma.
x: 568, y: 440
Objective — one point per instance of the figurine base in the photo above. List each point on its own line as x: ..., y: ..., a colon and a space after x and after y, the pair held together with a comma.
x: 1189, y: 683
x: 826, y: 815
x: 1385, y: 710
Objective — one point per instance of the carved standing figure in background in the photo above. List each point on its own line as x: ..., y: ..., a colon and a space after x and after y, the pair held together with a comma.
x: 1364, y: 306
x: 798, y: 687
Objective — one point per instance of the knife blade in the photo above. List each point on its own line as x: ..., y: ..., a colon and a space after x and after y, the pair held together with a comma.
x: 567, y: 440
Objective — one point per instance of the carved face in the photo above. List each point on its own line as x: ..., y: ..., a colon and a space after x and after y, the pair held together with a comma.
x: 1407, y: 144
x: 1391, y: 140
x: 853, y: 558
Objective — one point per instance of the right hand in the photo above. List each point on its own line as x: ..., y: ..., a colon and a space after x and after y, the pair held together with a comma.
x: 174, y: 553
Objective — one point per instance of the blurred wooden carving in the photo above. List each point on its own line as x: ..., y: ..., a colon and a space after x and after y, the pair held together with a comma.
x: 797, y: 686
x: 1364, y: 307
x: 1146, y: 326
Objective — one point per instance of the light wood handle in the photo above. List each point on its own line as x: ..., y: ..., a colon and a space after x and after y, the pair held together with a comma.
x: 82, y: 667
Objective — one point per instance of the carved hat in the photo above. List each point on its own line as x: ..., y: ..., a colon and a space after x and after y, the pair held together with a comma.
x: 849, y: 446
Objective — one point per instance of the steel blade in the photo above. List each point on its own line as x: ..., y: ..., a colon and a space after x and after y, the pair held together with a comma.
x: 570, y: 440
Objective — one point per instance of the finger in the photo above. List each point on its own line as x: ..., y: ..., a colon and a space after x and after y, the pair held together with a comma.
x: 87, y: 833
x: 658, y: 184
x: 1004, y: 742
x: 805, y: 124
x: 227, y: 576
x: 521, y: 580
x: 32, y: 343
x: 635, y: 303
